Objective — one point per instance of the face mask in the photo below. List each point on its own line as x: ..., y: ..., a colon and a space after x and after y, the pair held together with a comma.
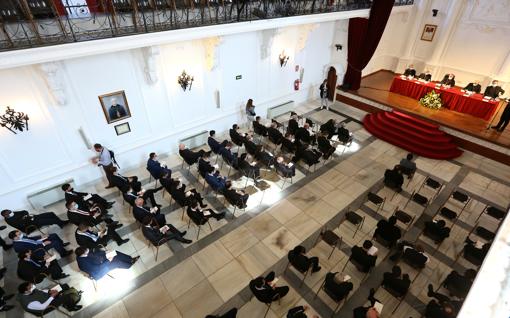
x: 21, y: 236
x: 76, y: 205
x: 156, y: 158
x: 11, y: 214
x: 32, y: 288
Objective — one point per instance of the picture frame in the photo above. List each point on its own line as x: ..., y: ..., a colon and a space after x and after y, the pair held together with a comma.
x: 115, y: 106
x: 429, y: 30
x: 122, y: 129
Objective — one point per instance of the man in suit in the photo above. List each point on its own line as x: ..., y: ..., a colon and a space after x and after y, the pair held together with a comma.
x: 227, y: 154
x: 154, y: 166
x: 408, y: 164
x: 448, y: 80
x: 85, y: 199
x: 234, y: 196
x: 34, y: 300
x: 388, y: 230
x: 258, y: 128
x: 395, y: 281
x: 274, y: 134
x: 158, y: 235
x: 437, y: 230
x: 475, y: 253
x: 191, y: 157
x: 23, y: 221
x: 92, y: 217
x: 426, y: 76
x: 116, y: 111
x: 394, y: 178
x: 329, y: 128
x: 288, y: 170
x: 178, y: 191
x: 494, y: 90
x: 251, y: 148
x: 205, y: 166
x: 307, y: 154
x: 34, y: 270
x: 504, y: 119
x: 216, y: 181
x: 124, y: 183
x: 344, y: 135
x: 197, y: 213
x: 90, y: 239
x: 303, y: 134
x: 414, y: 254
x: 336, y: 286
x: 442, y: 306
x: 140, y: 212
x: 213, y: 143
x: 293, y: 125
x: 265, y: 290
x: 324, y: 145
x: 148, y: 195
x: 473, y: 87
x: 299, y: 260
x: 22, y: 243
x: 460, y: 283
x: 361, y: 256
x: 288, y: 143
x: 236, y: 136
x: 249, y: 166
x: 97, y: 263
x: 410, y: 71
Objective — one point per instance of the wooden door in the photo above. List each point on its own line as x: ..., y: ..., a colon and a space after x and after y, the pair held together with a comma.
x: 331, y: 83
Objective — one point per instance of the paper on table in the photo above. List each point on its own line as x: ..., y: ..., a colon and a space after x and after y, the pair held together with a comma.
x: 164, y: 229
x: 378, y: 306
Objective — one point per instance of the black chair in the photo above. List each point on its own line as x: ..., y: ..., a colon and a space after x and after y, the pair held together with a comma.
x: 492, y: 212
x: 462, y: 198
x: 330, y: 238
x: 419, y: 199
x: 377, y: 200
x: 230, y: 164
x: 330, y: 294
x: 198, y: 223
x: 236, y: 204
x: 189, y: 164
x: 355, y: 219
x: 156, y: 178
x: 432, y: 184
x: 448, y: 213
x: 300, y: 270
x: 484, y: 233
x: 404, y: 217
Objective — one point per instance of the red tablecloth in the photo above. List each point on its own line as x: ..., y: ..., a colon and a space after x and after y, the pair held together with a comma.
x: 452, y: 98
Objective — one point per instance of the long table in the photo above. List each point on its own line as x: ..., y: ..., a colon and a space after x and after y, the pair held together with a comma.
x: 452, y: 98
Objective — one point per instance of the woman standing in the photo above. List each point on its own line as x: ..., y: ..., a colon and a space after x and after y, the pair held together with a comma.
x: 250, y: 110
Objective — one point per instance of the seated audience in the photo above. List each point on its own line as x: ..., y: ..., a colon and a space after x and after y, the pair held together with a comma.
x: 196, y: 212
x: 154, y: 166
x: 259, y: 128
x: 227, y: 155
x: 35, y: 301
x: 158, y: 235
x: 458, y: 283
x: 410, y: 71
x: 426, y: 76
x: 362, y: 257
x: 396, y: 282
x: 304, y: 135
x: 407, y: 165
x: 288, y: 143
x: 35, y: 270
x: 213, y: 143
x: 287, y: 170
x: 307, y: 154
x: 474, y: 252
x: 448, y: 80
x: 140, y: 211
x: 97, y: 263
x: 369, y: 311
x: 337, y: 286
x: 474, y: 87
x: 265, y: 157
x: 191, y: 157
x: 91, y: 217
x: 37, y: 244
x: 249, y: 166
x: 236, y: 135
x: 23, y: 221
x: 205, y: 166
x: 130, y: 195
x: 299, y: 260
x: 274, y: 134
x: 217, y: 182
x: 394, y: 179
x: 250, y: 146
x: 184, y: 197
x: 442, y: 306
x: 265, y: 290
x: 388, y: 230
x: 91, y: 239
x: 299, y: 312
x: 324, y: 146
x: 413, y: 254
x: 124, y: 183
x: 85, y: 199
x: 437, y: 230
x: 344, y: 135
x: 292, y: 125
x: 493, y: 90
x: 329, y: 128
x: 235, y: 196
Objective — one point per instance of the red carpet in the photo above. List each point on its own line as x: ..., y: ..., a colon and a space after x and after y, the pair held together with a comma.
x: 412, y: 134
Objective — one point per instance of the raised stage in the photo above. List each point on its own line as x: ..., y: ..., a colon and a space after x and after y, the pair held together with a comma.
x: 375, y: 88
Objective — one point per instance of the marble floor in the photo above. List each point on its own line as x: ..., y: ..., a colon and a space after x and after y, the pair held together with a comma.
x: 211, y: 275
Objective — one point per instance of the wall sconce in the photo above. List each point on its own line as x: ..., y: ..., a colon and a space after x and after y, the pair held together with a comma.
x: 14, y: 120
x: 434, y: 12
x: 338, y: 46
x: 283, y: 59
x: 185, y: 80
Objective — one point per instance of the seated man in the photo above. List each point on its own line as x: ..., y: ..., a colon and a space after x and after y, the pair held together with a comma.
x: 474, y: 252
x: 307, y: 154
x: 191, y: 157
x: 369, y: 311
x: 460, y: 284
x: 473, y: 87
x: 394, y: 179
x: 154, y: 166
x: 197, y: 213
x: 426, y: 76
x: 97, y: 263
x: 324, y: 146
x: 24, y: 221
x: 92, y: 240
x: 329, y: 129
x: 213, y: 143
x: 216, y: 181
x: 85, y: 199
x: 361, y: 256
x: 410, y: 71
x: 35, y: 301
x: 124, y: 183
x: 205, y: 166
x: 288, y: 143
x: 493, y: 90
x: 299, y: 260
x: 397, y: 282
x: 407, y: 165
x: 251, y: 147
x: 235, y: 196
x: 437, y: 230
x: 236, y: 135
x: 34, y: 270
x: 299, y: 312
x: 265, y: 290
x: 259, y: 128
x: 287, y: 170
x: 227, y: 155
x: 38, y: 244
x: 292, y: 125
x: 303, y: 134
x: 413, y: 254
x: 158, y: 235
x: 344, y: 135
x: 337, y: 286
x: 442, y: 306
x: 448, y: 80
x: 91, y: 217
x: 140, y: 212
x: 388, y: 230
x: 274, y: 134
x: 265, y: 157
x: 130, y: 195
x: 185, y: 197
x: 250, y: 168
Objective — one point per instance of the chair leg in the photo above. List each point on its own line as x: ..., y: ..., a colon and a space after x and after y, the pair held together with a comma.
x: 398, y: 305
x: 182, y: 216
x: 198, y: 233
x: 345, y: 265
x: 157, y: 253
x: 304, y: 277
x: 332, y: 250
x: 267, y: 310
x: 318, y: 290
x: 210, y: 227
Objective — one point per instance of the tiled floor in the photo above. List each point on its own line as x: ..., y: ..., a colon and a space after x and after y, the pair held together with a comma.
x: 211, y: 274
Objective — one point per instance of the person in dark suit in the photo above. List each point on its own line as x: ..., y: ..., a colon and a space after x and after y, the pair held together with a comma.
x: 287, y: 170
x: 344, y: 135
x: 324, y: 146
x: 154, y: 166
x: 407, y: 165
x: 38, y: 243
x: 251, y: 148
x: 94, y: 217
x: 336, y: 286
x: 213, y: 143
x: 140, y: 212
x: 124, y: 183
x: 493, y: 90
x: 288, y: 144
x: 410, y: 71
x: 204, y: 165
x: 361, y: 256
x: 148, y: 195
x: 259, y: 128
x: 235, y: 196
x: 197, y: 213
x: 24, y: 221
x: 85, y: 199
x: 460, y: 283
x: 229, y: 156
x: 299, y: 260
x: 437, y: 230
x: 504, y: 119
x: 191, y: 157
x: 367, y: 311
x: 426, y: 76
x: 397, y: 282
x: 158, y: 235
x: 35, y: 270
x: 303, y: 134
x: 299, y: 312
x: 388, y: 230
x: 265, y: 290
x: 97, y: 263
x: 414, y: 254
x: 475, y: 253
x: 236, y: 136
x: 116, y: 111
x: 292, y: 125
x: 274, y: 134
x: 474, y: 87
x: 307, y: 154
x: 448, y: 80
x: 249, y: 166
x: 329, y: 128
x: 90, y: 239
x: 216, y: 181
x: 442, y: 306
x: 394, y: 178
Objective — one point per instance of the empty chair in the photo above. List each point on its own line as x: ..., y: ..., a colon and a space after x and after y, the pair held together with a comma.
x: 448, y: 213
x: 403, y: 217
x: 419, y: 199
x: 492, y: 212
x: 484, y: 233
x: 462, y: 198
x: 432, y: 184
x: 330, y: 238
x: 377, y: 200
x: 355, y: 219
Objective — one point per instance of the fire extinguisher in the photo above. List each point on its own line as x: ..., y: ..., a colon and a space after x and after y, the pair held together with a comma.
x: 296, y: 85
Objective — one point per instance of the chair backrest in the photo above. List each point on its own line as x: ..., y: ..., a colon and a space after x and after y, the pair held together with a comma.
x: 402, y: 216
x: 374, y: 198
x: 495, y: 212
x: 447, y: 213
x: 353, y: 217
x: 420, y: 199
x: 459, y: 196
x: 432, y: 183
x: 152, y: 174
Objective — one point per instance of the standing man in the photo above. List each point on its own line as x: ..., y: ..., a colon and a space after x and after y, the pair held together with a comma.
x: 105, y: 160
x: 324, y: 94
x: 504, y: 119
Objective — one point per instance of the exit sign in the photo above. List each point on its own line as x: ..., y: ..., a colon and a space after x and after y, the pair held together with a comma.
x: 238, y: 77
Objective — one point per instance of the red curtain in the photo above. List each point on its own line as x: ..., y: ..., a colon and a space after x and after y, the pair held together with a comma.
x: 364, y: 36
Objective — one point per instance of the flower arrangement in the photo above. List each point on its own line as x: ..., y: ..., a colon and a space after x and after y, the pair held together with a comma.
x: 431, y: 100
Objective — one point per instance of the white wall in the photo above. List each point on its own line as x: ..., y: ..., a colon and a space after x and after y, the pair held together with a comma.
x: 52, y: 150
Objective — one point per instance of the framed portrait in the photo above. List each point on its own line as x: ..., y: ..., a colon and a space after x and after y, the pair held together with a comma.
x: 428, y: 32
x: 122, y: 129
x: 115, y: 106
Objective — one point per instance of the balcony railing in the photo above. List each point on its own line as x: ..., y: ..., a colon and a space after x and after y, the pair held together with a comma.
x: 35, y: 23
